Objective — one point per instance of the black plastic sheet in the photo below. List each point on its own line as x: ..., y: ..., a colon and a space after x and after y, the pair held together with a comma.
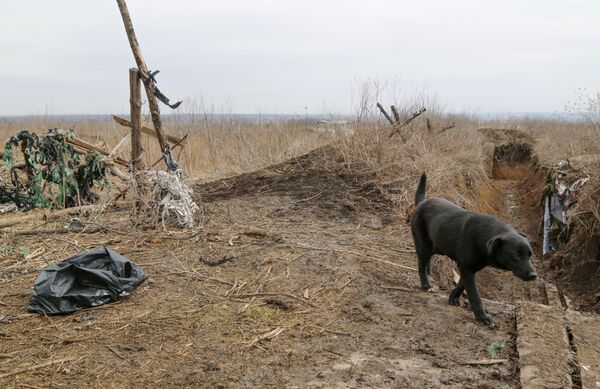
x: 85, y: 280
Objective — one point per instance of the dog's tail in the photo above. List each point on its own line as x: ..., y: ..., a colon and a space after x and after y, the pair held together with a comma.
x: 421, y: 189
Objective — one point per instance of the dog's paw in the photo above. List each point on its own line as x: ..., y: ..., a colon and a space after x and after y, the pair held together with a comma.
x: 485, y: 320
x: 454, y: 301
x: 427, y: 288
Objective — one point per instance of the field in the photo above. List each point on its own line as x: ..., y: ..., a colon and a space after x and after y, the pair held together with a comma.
x: 322, y: 290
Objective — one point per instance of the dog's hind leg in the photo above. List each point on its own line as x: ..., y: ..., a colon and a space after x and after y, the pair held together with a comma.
x: 454, y: 297
x: 424, y: 253
x: 468, y: 280
x: 424, y: 249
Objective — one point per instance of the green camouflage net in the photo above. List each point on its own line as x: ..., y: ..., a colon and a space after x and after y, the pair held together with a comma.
x: 52, y: 173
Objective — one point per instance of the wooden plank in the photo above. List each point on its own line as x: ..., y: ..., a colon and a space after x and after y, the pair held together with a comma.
x: 543, y: 346
x: 586, y: 339
x: 91, y: 148
x: 146, y: 130
x: 85, y: 146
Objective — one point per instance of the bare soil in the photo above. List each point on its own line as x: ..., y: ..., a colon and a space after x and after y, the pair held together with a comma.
x: 322, y: 292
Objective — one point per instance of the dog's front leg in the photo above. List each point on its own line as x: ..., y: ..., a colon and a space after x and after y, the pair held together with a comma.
x: 454, y: 297
x: 468, y: 280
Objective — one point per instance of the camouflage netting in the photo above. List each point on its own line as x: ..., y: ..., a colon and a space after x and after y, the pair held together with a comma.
x: 51, y: 173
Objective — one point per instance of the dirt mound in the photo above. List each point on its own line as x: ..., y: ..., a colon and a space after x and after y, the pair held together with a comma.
x: 320, y: 182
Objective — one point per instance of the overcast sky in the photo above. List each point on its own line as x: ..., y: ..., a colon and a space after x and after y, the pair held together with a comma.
x: 279, y: 56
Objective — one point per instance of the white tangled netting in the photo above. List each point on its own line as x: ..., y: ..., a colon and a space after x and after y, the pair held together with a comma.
x: 166, y: 197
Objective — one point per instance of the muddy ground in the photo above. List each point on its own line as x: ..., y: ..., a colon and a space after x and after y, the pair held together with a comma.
x: 322, y: 292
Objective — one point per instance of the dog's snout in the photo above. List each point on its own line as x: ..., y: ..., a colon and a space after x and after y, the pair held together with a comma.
x: 532, y: 275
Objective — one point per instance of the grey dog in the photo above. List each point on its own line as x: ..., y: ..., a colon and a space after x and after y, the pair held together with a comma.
x: 473, y: 240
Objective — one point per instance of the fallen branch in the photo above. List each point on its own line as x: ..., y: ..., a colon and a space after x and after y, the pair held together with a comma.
x: 59, y: 230
x: 111, y: 348
x: 485, y: 362
x: 268, y: 335
x: 217, y: 262
x: 11, y: 221
x: 396, y: 288
x: 276, y: 294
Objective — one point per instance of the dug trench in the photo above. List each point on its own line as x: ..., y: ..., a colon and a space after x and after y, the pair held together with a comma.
x: 554, y: 348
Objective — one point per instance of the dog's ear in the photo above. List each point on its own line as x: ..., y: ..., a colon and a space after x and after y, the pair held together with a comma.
x: 494, y: 245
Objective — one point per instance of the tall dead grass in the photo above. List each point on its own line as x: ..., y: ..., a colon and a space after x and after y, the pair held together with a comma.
x: 215, y: 147
x: 452, y: 159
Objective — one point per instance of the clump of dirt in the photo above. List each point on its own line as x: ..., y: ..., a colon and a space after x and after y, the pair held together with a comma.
x: 319, y: 181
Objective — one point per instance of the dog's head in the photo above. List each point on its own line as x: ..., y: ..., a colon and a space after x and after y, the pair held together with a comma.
x: 512, y: 251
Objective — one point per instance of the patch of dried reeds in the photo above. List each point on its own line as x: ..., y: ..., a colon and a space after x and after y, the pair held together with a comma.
x: 452, y: 160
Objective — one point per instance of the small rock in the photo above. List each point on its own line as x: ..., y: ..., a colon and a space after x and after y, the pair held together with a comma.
x: 211, y: 366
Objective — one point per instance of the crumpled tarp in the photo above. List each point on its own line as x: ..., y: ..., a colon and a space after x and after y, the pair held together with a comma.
x: 85, y: 280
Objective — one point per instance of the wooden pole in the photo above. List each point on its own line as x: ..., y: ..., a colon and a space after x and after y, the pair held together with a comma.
x: 395, y: 113
x: 135, y: 101
x: 148, y: 84
x: 389, y: 119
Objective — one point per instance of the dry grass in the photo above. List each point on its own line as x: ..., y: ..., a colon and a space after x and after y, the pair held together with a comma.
x: 452, y: 159
x: 214, y: 149
x: 220, y: 146
x: 556, y: 138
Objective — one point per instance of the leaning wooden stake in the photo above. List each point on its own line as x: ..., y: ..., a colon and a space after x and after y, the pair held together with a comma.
x: 395, y: 113
x: 398, y: 127
x: 148, y: 85
x: 173, y: 140
x: 135, y: 101
x: 389, y: 119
